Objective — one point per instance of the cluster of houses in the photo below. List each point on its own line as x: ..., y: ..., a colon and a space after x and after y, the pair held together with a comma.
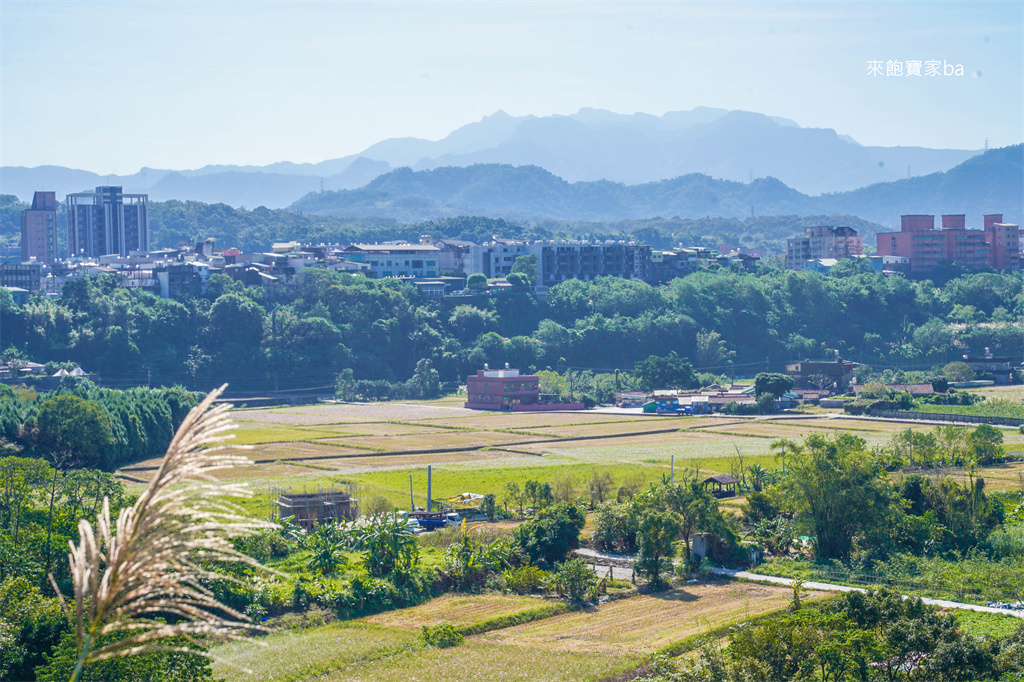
x: 436, y: 267
x: 917, y: 248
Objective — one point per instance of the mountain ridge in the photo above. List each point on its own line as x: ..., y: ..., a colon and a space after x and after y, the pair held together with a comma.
x: 591, y: 144
x: 991, y: 182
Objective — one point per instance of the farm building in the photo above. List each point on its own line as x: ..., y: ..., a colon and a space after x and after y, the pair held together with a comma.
x: 724, y: 485
x: 821, y: 374
x: 309, y: 509
x: 507, y: 389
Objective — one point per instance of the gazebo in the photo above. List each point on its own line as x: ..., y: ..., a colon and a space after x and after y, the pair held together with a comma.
x: 724, y: 484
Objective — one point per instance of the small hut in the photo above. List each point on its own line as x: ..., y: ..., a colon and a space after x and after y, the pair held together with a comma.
x: 310, y: 509
x: 723, y: 485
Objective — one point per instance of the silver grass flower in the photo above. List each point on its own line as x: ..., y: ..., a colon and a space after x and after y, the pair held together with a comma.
x: 155, y: 561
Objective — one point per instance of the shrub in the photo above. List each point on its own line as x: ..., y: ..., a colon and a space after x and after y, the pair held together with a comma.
x: 616, y: 526
x: 549, y: 538
x: 442, y: 635
x: 524, y: 580
x: 575, y: 581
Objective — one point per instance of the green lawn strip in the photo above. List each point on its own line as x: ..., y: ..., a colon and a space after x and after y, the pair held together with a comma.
x: 474, y: 660
x: 450, y: 480
x: 299, y: 654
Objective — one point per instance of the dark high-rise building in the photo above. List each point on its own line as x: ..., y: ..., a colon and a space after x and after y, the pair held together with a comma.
x: 38, y: 229
x: 107, y: 221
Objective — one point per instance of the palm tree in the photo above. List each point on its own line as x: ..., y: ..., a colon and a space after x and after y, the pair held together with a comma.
x: 758, y: 474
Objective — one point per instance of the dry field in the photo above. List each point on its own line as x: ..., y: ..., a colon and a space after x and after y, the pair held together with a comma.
x: 581, y: 645
x: 459, y: 610
x: 643, y: 624
x: 476, y: 660
x: 375, y: 447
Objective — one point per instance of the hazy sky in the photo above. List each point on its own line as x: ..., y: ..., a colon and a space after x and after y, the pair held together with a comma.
x: 112, y: 86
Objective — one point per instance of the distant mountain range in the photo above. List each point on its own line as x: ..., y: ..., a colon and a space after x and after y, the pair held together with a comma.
x: 992, y: 182
x: 589, y: 145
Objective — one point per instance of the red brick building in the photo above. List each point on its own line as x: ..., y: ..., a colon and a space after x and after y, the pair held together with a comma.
x: 506, y: 389
x: 997, y: 245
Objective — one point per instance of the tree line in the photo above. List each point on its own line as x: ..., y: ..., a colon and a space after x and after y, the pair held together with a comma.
x: 85, y: 426
x: 719, y: 321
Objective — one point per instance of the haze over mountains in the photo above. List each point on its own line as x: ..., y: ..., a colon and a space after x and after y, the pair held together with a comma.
x: 589, y: 145
x: 992, y: 182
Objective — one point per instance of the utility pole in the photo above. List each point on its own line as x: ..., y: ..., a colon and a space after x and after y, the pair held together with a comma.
x: 412, y: 503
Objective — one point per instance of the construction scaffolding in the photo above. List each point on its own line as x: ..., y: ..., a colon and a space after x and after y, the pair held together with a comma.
x: 310, y: 509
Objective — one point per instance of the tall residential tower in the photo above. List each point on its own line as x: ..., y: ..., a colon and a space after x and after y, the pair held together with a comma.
x: 38, y: 229
x: 107, y: 221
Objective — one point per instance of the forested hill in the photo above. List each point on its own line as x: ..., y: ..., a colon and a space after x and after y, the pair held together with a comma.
x: 992, y: 182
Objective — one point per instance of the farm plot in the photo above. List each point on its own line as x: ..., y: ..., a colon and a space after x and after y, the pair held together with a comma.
x: 475, y: 660
x: 614, y: 429
x: 643, y: 624
x: 431, y: 441
x: 257, y: 434
x: 459, y: 610
x: 1007, y: 476
x: 661, y: 447
x: 298, y: 655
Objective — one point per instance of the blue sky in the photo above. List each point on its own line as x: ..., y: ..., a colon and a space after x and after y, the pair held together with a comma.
x: 112, y: 86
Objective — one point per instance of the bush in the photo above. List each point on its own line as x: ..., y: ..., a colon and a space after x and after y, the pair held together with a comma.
x: 524, y: 580
x: 575, y: 581
x: 442, y: 635
x: 857, y: 407
x: 616, y: 526
x: 548, y: 539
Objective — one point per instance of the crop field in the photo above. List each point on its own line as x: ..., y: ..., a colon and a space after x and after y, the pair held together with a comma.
x: 583, y: 645
x: 987, y: 624
x: 375, y: 447
x: 459, y: 610
x: 643, y: 624
x: 1013, y: 393
x: 982, y: 409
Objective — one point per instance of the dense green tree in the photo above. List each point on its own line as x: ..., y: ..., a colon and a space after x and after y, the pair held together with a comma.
x: 656, y: 533
x: 75, y: 429
x: 772, y: 384
x: 839, y: 490
x: 697, y: 510
x: 669, y: 371
x: 547, y: 539
x: 985, y: 443
x: 526, y: 266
